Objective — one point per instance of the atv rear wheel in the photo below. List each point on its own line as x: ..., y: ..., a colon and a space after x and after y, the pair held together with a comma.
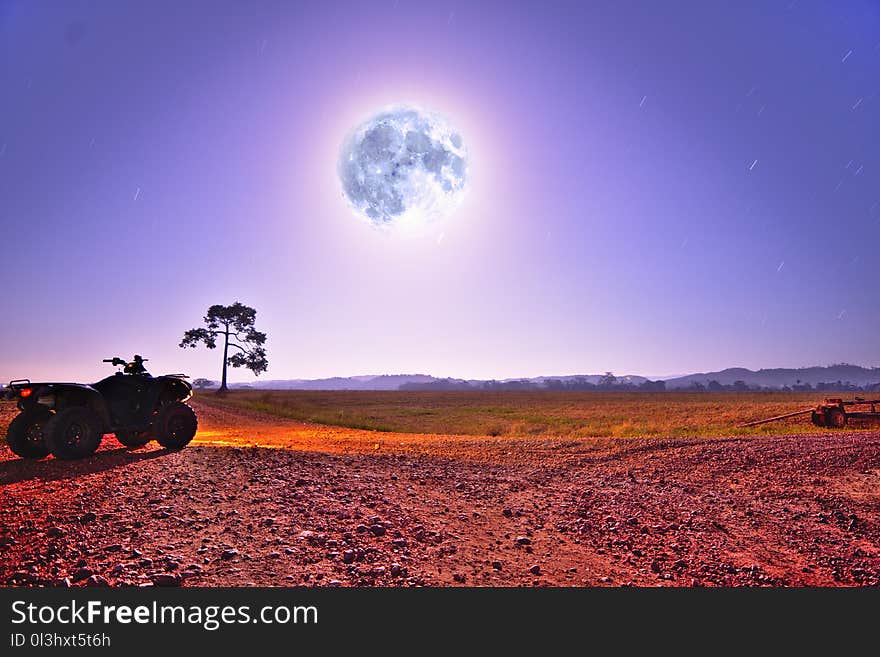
x: 175, y: 425
x: 74, y: 433
x: 25, y: 434
x: 133, y: 438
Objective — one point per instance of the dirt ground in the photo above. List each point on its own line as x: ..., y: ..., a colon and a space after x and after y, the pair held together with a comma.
x: 258, y: 500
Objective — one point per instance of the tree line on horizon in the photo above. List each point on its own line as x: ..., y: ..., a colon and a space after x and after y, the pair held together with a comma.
x: 610, y: 383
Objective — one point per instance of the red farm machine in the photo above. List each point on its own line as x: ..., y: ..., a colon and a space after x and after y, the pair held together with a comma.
x: 834, y: 413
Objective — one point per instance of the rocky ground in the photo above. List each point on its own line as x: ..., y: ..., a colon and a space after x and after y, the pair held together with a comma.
x: 256, y: 500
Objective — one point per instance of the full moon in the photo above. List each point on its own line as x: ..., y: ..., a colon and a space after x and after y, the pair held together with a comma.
x: 403, y: 165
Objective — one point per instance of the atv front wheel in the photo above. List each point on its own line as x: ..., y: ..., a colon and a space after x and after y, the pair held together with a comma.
x: 176, y: 425
x: 74, y: 433
x: 25, y: 434
x: 133, y: 438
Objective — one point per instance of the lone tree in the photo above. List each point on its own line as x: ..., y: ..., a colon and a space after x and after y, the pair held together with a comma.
x: 201, y: 384
x: 235, y: 326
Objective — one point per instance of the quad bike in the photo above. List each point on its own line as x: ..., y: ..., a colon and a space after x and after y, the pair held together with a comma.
x: 69, y: 419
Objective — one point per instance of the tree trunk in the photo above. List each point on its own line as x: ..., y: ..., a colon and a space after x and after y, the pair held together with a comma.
x: 222, y: 389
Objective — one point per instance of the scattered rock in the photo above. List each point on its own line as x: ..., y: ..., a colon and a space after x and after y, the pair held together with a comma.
x: 312, y: 537
x: 166, y: 579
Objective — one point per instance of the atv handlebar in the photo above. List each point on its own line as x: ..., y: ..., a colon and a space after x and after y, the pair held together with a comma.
x: 116, y: 360
x: 136, y: 366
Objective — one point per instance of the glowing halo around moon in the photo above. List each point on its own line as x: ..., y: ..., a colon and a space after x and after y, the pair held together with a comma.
x: 404, y: 166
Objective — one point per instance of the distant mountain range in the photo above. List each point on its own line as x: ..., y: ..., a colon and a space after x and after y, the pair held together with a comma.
x: 782, y: 377
x: 368, y: 382
x: 412, y: 381
x: 777, y: 378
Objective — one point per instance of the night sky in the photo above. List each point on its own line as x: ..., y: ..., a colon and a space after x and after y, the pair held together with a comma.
x: 654, y: 187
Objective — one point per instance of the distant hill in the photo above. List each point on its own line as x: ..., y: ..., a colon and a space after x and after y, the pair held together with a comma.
x: 844, y: 376
x: 377, y: 382
x: 419, y: 382
x: 782, y: 377
x: 595, y: 379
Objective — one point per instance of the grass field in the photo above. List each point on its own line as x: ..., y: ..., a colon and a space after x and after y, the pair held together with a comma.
x: 544, y: 414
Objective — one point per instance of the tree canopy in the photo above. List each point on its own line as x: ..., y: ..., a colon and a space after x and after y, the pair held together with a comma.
x: 234, y: 326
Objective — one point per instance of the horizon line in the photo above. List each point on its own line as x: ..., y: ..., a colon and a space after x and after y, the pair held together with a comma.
x: 661, y: 377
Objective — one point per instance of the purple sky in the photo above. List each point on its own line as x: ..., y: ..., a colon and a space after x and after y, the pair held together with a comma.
x: 656, y: 188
